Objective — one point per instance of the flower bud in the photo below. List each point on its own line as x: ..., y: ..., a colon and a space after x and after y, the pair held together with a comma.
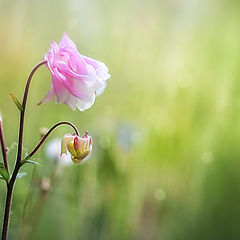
x: 43, y: 131
x: 79, y: 147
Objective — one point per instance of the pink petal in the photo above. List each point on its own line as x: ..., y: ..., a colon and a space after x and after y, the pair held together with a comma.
x: 68, y: 83
x: 76, y: 79
x: 60, y: 90
x: 48, y: 96
x: 66, y: 42
x: 54, y: 47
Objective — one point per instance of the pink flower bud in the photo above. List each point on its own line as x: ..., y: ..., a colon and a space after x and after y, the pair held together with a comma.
x: 79, y: 147
x: 76, y: 79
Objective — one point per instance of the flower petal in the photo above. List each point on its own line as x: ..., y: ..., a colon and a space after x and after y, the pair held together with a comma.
x: 66, y: 42
x: 85, y: 104
x: 49, y: 95
x: 54, y: 48
x: 65, y: 141
x: 76, y: 79
x: 81, y: 104
x: 101, y: 89
x: 71, y: 101
x: 60, y: 90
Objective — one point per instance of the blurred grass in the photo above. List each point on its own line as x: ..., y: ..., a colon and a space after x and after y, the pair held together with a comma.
x: 166, y: 130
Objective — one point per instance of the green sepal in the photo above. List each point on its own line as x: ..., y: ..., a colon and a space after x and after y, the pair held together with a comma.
x: 18, y: 104
x: 4, y: 173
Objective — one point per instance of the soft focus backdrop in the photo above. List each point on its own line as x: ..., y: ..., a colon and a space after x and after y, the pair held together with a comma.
x: 166, y: 158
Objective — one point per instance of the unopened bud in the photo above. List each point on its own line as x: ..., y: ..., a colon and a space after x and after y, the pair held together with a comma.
x: 43, y: 131
x: 79, y: 147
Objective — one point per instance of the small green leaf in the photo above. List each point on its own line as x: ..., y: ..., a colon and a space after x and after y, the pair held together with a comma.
x: 30, y: 161
x: 21, y: 174
x: 18, y: 104
x: 3, y: 172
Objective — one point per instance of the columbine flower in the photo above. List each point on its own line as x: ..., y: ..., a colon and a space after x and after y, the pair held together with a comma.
x: 76, y: 79
x: 79, y: 147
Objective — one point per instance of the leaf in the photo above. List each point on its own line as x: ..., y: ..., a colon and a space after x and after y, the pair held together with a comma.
x: 18, y: 104
x: 21, y: 174
x: 30, y: 161
x: 3, y: 172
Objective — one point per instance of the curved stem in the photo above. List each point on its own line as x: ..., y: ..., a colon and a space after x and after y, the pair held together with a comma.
x: 48, y: 133
x: 4, y: 152
x: 20, y: 138
x: 19, y: 154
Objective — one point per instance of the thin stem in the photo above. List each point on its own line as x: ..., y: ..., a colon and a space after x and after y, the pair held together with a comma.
x: 4, y: 152
x: 20, y: 138
x: 7, y: 211
x: 19, y: 154
x: 48, y: 133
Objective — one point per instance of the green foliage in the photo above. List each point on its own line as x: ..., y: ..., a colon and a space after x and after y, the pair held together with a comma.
x: 15, y: 100
x: 3, y: 172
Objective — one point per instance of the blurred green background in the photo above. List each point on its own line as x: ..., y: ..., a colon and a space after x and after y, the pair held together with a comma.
x: 166, y: 154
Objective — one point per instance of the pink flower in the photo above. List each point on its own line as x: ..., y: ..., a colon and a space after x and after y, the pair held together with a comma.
x: 79, y: 147
x: 76, y: 79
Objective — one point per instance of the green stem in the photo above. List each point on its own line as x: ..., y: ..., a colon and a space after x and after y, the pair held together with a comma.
x: 48, y: 133
x: 4, y: 152
x: 19, y: 155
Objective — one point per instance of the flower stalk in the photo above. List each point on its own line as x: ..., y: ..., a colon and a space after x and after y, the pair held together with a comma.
x: 10, y: 184
x: 47, y: 134
x: 19, y: 161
